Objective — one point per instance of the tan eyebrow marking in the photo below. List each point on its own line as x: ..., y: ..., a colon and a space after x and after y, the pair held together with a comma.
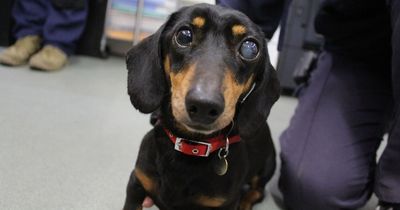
x: 238, y: 30
x: 199, y: 21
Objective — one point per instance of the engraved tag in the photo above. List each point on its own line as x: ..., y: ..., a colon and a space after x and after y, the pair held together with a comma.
x: 221, y: 166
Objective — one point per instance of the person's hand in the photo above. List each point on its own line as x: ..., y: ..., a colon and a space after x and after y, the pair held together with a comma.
x: 148, y: 202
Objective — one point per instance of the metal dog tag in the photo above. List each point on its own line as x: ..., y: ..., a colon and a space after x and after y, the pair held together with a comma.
x: 221, y: 166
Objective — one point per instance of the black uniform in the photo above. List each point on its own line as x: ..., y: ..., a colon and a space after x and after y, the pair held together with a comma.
x: 328, y: 151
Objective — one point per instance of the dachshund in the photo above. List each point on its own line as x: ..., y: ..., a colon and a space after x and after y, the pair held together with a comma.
x: 206, y: 73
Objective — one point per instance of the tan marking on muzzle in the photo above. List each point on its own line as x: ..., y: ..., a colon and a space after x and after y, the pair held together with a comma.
x: 238, y: 30
x: 199, y: 22
x: 211, y: 202
x: 147, y: 182
x: 180, y: 84
x: 167, y: 65
x: 232, y: 90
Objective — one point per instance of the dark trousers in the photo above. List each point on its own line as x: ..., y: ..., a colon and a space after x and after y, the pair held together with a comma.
x: 329, y: 149
x: 59, y: 27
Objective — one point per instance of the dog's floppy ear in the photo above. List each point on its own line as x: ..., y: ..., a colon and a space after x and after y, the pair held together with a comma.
x: 146, y: 80
x: 256, y: 108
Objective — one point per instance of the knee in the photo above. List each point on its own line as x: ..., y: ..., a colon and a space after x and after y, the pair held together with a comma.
x: 335, y: 192
x: 322, y: 188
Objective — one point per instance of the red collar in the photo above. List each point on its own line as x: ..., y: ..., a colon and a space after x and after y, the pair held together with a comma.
x: 198, y: 148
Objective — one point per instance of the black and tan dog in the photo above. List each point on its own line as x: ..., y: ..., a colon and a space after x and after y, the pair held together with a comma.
x: 207, y: 73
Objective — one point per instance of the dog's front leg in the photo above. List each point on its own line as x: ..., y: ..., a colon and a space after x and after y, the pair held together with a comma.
x: 135, y: 194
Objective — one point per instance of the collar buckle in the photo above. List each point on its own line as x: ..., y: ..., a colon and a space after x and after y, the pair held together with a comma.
x: 181, y: 143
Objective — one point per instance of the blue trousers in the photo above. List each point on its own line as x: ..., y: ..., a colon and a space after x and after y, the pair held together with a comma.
x: 329, y: 159
x: 59, y: 27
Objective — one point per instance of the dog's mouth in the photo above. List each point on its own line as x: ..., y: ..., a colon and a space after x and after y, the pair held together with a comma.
x: 199, y: 128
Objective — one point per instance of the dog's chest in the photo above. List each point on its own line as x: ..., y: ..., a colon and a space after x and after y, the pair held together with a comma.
x: 192, y: 177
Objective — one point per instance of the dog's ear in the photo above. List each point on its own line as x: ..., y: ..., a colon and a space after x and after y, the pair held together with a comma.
x: 146, y: 78
x: 255, y: 109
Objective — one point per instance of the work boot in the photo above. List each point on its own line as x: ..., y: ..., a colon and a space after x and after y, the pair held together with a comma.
x: 49, y: 58
x: 21, y: 51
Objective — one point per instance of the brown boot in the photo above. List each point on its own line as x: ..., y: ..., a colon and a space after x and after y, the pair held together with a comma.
x: 49, y: 58
x: 21, y: 51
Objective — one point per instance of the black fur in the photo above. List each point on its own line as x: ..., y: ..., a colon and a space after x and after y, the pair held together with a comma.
x: 146, y: 82
x: 258, y: 105
x: 180, y: 178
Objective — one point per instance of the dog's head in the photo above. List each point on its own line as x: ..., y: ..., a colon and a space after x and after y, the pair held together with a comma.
x: 205, y: 60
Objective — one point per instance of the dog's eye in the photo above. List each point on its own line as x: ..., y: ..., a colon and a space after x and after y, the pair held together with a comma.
x: 248, y: 50
x: 184, y: 37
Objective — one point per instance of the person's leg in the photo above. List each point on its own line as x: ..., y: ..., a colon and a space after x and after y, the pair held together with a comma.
x: 387, y: 186
x: 29, y: 16
x: 64, y: 26
x: 328, y: 151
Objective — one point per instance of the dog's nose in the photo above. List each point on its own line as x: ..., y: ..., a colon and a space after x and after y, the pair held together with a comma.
x: 203, y: 107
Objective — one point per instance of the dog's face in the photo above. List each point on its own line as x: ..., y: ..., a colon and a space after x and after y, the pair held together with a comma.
x: 206, y: 59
